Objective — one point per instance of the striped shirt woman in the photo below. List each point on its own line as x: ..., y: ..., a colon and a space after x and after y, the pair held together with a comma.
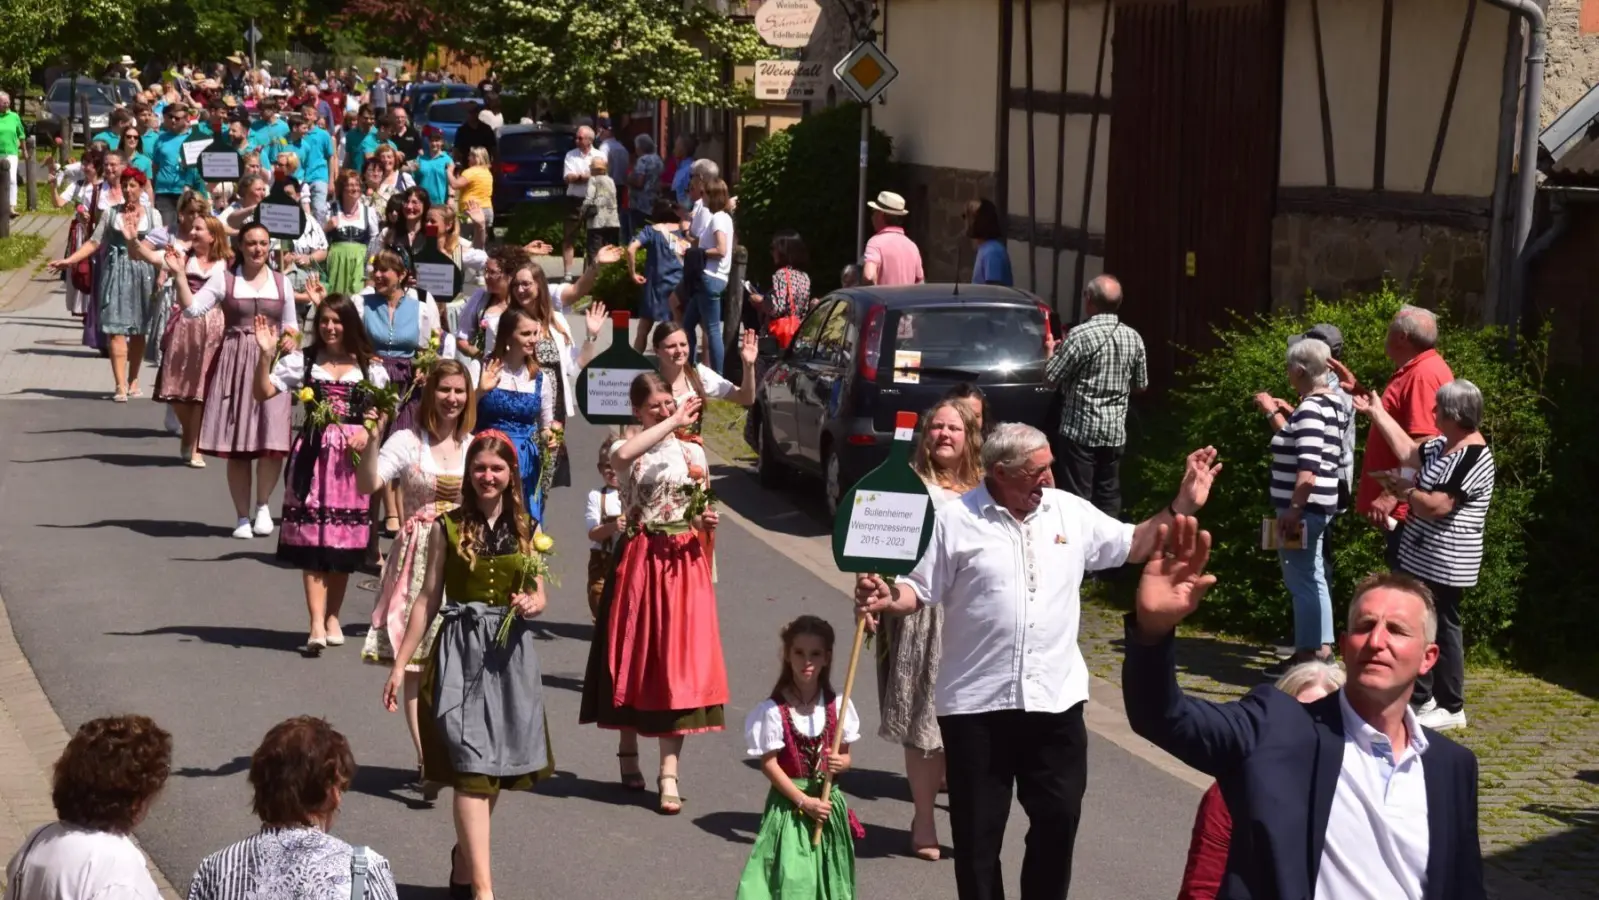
x: 1311, y: 441
x: 1448, y: 549
x: 302, y: 863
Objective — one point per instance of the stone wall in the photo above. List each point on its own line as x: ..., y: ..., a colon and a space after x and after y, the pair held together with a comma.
x: 937, y: 199
x: 1332, y: 256
x: 1573, y: 66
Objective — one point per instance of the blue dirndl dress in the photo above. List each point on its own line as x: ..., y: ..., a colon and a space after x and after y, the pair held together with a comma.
x: 518, y: 415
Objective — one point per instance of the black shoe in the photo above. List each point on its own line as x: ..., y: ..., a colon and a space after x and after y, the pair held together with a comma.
x: 456, y: 891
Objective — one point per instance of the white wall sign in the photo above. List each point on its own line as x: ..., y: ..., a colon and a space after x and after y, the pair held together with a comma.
x: 787, y: 23
x: 607, y: 391
x: 784, y: 79
x: 886, y: 525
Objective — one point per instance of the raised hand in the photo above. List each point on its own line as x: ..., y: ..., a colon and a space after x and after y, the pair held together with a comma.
x: 594, y: 319
x: 688, y: 411
x: 173, y: 261
x: 266, y: 337
x: 315, y: 289
x: 1199, y: 474
x: 538, y: 248
x: 1174, y: 579
x: 491, y: 375
x: 748, y: 345
x: 608, y: 254
x: 1346, y: 378
x: 1369, y: 403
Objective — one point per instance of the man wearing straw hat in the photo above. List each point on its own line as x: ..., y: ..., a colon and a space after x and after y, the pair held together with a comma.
x: 891, y: 257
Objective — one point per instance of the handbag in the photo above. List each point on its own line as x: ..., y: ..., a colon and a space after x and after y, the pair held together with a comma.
x: 359, y: 864
x: 82, y: 273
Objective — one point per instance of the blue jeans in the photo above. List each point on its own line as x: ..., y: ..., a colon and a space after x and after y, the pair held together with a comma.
x: 1305, y: 574
x: 317, y: 192
x: 706, y: 307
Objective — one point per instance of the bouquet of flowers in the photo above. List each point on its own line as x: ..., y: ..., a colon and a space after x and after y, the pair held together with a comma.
x: 697, y: 498
x: 421, y: 364
x: 534, y: 566
x: 554, y: 440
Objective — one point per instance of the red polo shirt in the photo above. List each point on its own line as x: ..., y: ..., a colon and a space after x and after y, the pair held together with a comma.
x: 1411, y: 397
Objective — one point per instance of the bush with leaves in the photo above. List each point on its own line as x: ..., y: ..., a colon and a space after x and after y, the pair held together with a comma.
x: 806, y: 178
x: 1214, y: 407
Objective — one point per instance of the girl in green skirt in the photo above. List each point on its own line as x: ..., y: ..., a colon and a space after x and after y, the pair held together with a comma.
x: 792, y: 733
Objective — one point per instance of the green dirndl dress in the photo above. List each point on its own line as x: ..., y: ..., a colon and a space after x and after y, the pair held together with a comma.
x: 346, y: 263
x: 490, y: 581
x: 784, y: 864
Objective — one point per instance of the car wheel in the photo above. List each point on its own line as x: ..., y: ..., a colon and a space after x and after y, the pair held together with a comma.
x: 833, y: 481
x: 768, y: 469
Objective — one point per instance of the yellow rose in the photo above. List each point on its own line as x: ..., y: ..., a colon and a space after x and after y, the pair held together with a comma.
x: 371, y: 427
x: 306, y: 395
x: 543, y: 543
x: 434, y: 342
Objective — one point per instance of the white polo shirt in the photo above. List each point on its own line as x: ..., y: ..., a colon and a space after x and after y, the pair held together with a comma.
x: 1010, y: 591
x: 579, y: 163
x: 1377, y: 833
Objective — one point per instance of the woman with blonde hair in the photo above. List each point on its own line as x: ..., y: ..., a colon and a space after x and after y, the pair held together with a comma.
x: 474, y: 187
x: 192, y: 343
x: 949, y: 459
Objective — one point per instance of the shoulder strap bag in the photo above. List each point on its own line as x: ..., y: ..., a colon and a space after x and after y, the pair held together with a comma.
x: 360, y: 864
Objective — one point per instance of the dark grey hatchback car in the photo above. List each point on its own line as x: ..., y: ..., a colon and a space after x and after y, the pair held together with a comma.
x: 826, y: 404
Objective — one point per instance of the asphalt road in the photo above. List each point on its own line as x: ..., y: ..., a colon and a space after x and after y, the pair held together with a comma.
x: 127, y: 594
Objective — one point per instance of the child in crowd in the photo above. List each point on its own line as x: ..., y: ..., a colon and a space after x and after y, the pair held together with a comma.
x: 603, y: 516
x: 664, y: 246
x: 792, y: 735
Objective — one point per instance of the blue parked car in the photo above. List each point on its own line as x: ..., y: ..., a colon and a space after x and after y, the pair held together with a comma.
x: 418, y: 97
x: 530, y: 164
x: 447, y: 115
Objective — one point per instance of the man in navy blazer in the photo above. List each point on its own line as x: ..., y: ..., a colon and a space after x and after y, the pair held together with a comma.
x: 1346, y: 798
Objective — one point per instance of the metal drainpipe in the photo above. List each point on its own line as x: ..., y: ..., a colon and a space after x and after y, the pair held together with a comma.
x: 1527, y: 173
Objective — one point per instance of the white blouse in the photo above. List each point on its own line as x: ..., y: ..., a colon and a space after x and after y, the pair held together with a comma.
x: 521, y: 382
x: 408, y: 448
x: 763, y: 727
x: 64, y: 862
x: 216, y: 290
x: 288, y: 374
x: 716, y: 387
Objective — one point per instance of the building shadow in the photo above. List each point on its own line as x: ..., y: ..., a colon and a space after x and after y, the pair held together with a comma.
x: 1560, y: 863
x: 611, y: 793
x: 123, y: 460
x: 106, y: 431
x: 390, y: 783
x: 774, y: 511
x: 232, y: 767
x: 150, y: 528
x: 236, y: 636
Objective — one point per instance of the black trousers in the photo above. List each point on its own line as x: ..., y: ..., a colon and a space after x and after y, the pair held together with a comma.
x: 1446, y: 683
x: 1092, y: 473
x: 1045, y: 757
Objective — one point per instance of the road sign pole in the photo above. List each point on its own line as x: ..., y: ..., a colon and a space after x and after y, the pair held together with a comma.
x: 254, y: 60
x: 860, y: 200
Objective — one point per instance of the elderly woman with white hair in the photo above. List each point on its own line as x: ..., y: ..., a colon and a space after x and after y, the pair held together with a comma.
x: 1449, y: 493
x: 1306, y: 449
x: 1006, y: 563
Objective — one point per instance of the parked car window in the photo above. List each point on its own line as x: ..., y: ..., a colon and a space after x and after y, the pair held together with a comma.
x: 832, y: 345
x: 451, y: 113
x: 98, y: 94
x: 536, y: 143
x: 810, y: 332
x: 979, y: 338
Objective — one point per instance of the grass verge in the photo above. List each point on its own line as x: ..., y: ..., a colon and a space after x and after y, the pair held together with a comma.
x: 724, y: 431
x: 18, y: 250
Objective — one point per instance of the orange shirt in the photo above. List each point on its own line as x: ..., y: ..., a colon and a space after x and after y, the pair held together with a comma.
x: 1411, y: 397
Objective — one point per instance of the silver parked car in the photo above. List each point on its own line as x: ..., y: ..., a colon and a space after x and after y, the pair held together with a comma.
x: 103, y: 97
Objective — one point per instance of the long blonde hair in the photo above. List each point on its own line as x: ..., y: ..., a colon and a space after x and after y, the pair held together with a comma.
x: 969, y: 471
x: 474, y: 526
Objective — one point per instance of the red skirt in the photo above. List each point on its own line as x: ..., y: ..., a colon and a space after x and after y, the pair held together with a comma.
x: 664, y: 642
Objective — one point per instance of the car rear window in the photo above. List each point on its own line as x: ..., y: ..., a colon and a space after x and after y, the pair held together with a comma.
x: 975, y: 338
x: 97, y: 93
x: 453, y: 113
x: 536, y: 143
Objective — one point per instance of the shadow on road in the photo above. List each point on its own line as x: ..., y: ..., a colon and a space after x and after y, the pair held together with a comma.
x: 743, y: 495
x: 266, y: 557
x: 106, y: 431
x: 237, y: 636
x: 563, y: 682
x: 741, y: 827
x: 1560, y: 862
x: 62, y: 394
x: 572, y: 631
x: 80, y: 353
x: 611, y: 793
x: 875, y: 784
x: 388, y: 783
x: 232, y: 767
x: 420, y: 892
x: 150, y: 528
x: 124, y: 460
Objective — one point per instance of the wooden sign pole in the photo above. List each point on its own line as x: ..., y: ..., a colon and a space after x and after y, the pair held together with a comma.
x: 838, y: 733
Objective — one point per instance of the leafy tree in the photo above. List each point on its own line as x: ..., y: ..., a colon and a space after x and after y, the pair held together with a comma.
x: 27, y: 41
x: 408, y: 29
x: 609, y: 54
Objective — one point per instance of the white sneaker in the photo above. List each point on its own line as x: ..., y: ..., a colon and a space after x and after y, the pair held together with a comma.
x: 173, y: 425
x: 263, y: 521
x: 1440, y: 719
x: 1427, y: 707
x: 244, y: 530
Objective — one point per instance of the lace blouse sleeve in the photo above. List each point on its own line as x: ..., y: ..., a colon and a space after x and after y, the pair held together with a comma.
x: 763, y: 729
x: 210, y: 295
x: 547, y: 398
x: 288, y: 373
x: 401, y: 451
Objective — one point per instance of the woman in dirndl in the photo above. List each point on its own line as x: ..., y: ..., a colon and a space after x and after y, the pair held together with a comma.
x: 655, y: 665
x: 400, y: 322
x: 480, y: 736
x: 325, y: 517
x: 352, y: 235
x: 427, y: 462
x: 82, y: 192
x: 234, y: 425
x: 164, y: 310
x: 192, y: 344
x: 516, y: 397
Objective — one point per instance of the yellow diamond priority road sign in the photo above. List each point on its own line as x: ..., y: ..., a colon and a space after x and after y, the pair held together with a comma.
x: 865, y: 71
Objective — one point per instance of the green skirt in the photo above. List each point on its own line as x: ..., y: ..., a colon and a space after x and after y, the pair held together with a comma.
x: 346, y: 268
x: 785, y: 866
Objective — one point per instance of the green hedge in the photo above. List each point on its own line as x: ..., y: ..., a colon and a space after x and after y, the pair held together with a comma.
x: 806, y: 177
x: 1214, y: 407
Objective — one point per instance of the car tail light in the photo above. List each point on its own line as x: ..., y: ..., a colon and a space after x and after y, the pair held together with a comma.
x: 508, y: 168
x: 872, y: 342
x: 861, y: 440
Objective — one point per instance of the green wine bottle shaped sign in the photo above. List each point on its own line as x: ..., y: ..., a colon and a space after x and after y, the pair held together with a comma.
x: 886, y: 520
x: 603, y: 385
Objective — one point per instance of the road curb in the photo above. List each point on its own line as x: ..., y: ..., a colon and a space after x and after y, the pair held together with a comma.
x: 31, y: 738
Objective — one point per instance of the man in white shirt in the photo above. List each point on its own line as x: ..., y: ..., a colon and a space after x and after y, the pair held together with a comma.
x: 576, y: 170
x: 1344, y: 798
x: 1006, y: 561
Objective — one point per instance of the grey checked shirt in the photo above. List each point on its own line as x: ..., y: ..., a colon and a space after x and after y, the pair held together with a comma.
x: 1097, y: 366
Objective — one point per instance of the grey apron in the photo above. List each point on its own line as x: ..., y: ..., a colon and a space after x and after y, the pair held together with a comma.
x: 488, y: 700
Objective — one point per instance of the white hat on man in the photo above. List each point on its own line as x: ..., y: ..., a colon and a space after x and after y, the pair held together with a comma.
x: 889, y: 204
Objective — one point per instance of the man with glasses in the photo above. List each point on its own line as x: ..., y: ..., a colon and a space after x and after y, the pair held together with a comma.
x: 170, y: 176
x: 1006, y: 562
